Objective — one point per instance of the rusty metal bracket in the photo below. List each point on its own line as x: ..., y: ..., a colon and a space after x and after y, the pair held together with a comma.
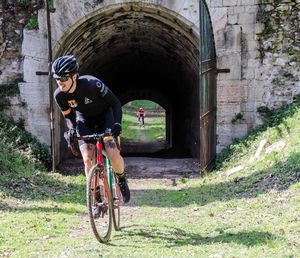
x: 225, y: 70
x: 41, y: 73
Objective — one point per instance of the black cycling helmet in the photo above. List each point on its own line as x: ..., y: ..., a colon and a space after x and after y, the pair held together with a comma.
x: 64, y: 66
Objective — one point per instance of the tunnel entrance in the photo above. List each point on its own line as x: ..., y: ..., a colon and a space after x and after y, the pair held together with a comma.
x: 144, y: 51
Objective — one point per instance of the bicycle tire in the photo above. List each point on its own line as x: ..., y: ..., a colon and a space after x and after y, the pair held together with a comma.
x: 116, y: 205
x: 102, y: 225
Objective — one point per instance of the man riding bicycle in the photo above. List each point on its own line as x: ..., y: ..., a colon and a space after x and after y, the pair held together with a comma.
x: 88, y: 107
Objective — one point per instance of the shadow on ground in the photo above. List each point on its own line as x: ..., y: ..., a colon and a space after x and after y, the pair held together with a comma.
x: 174, y: 237
x: 280, y: 177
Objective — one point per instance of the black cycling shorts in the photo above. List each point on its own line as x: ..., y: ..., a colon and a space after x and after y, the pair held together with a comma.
x: 91, y: 125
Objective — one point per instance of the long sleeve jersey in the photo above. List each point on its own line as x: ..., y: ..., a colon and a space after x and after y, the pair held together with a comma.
x: 91, y: 99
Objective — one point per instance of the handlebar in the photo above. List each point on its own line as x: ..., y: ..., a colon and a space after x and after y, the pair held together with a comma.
x: 95, y: 136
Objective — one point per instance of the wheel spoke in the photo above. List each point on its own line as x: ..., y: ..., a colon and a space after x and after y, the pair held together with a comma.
x: 98, y: 205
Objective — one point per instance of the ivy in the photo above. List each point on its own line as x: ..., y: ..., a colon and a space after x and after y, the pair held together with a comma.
x: 8, y: 90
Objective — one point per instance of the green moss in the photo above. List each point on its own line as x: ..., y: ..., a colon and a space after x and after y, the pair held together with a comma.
x: 8, y: 90
x: 51, y: 3
x: 32, y: 23
x: 238, y: 118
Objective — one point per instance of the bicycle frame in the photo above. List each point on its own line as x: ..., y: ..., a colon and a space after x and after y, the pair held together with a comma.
x: 101, y: 176
x: 99, y: 150
x: 104, y: 168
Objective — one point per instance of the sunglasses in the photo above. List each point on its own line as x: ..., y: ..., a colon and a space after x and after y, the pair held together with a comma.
x: 61, y: 78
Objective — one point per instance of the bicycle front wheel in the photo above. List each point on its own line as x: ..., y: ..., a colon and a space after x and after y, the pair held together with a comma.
x: 99, y: 204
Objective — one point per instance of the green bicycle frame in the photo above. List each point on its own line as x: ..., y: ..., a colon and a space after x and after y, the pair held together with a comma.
x: 109, y: 172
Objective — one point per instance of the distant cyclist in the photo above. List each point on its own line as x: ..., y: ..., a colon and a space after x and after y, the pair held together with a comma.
x: 141, y: 116
x: 88, y: 107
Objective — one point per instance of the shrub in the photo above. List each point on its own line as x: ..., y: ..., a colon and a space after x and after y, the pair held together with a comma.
x: 15, y: 137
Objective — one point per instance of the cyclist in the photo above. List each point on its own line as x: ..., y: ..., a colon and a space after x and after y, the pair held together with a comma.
x: 141, y: 116
x: 88, y: 107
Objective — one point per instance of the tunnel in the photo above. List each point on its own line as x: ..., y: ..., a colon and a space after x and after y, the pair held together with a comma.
x: 148, y: 52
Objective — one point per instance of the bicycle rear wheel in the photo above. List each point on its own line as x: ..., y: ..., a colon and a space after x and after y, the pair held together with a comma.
x: 117, y: 197
x: 99, y: 204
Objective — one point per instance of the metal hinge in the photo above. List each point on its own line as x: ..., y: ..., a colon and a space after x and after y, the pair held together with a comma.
x: 225, y: 70
x: 41, y: 73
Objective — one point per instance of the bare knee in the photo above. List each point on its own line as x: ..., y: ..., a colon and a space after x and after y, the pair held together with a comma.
x: 88, y: 155
x: 113, y: 154
x: 111, y: 149
x: 116, y: 159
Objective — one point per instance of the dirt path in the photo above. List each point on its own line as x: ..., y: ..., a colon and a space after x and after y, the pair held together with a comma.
x: 142, y: 173
x: 145, y: 167
x: 141, y: 134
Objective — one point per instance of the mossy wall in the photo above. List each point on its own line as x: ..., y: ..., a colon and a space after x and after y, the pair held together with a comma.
x: 279, y: 48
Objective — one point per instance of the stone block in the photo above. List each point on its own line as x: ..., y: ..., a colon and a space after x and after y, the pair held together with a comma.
x: 226, y: 112
x: 248, y: 2
x: 251, y: 9
x: 234, y: 91
x: 247, y: 18
x: 39, y: 92
x: 238, y: 9
x: 248, y: 73
x: 230, y: 2
x: 229, y: 39
x: 253, y: 63
x: 228, y: 132
x: 231, y: 61
x: 233, y: 19
x: 219, y: 18
x: 216, y: 3
x: 35, y: 45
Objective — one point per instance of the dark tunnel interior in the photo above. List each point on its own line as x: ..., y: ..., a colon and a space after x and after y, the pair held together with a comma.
x: 145, y: 54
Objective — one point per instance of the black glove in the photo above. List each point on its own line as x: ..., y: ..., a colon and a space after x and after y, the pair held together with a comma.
x: 72, y: 144
x: 69, y: 136
x: 116, y: 131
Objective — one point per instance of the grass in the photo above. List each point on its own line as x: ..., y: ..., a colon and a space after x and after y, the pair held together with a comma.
x: 253, y: 212
x: 154, y: 129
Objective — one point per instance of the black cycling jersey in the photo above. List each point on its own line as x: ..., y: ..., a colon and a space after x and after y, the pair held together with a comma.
x: 90, y: 103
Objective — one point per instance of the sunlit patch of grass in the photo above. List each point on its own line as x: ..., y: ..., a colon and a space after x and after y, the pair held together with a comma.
x: 154, y: 129
x: 253, y: 212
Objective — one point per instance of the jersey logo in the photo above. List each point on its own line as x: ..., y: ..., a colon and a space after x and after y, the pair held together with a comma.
x: 87, y: 100
x: 102, y: 87
x: 72, y: 103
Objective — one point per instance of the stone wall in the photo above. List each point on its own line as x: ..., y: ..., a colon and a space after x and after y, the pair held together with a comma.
x: 259, y: 41
x: 279, y: 52
x: 14, y: 15
x: 235, y: 27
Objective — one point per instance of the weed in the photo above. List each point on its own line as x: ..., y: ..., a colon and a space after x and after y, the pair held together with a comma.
x: 32, y: 23
x: 14, y: 137
x: 238, y: 118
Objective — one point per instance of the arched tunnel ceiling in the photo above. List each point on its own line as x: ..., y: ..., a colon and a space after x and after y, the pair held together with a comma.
x: 137, y: 46
x: 144, y: 49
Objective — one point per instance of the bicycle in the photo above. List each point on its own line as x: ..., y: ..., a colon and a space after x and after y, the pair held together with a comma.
x: 140, y: 121
x: 102, y: 191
